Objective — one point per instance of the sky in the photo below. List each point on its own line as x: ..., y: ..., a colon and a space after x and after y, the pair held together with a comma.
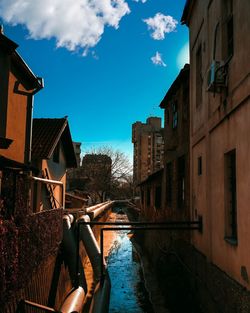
x: 105, y: 63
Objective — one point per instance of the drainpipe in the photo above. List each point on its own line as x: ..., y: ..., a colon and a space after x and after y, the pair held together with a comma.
x: 29, y: 122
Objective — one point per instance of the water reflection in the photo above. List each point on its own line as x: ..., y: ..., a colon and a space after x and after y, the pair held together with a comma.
x: 128, y: 293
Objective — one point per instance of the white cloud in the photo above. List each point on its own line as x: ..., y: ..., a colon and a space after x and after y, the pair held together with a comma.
x: 73, y: 23
x: 157, y: 59
x: 183, y: 56
x: 143, y: 1
x: 160, y: 25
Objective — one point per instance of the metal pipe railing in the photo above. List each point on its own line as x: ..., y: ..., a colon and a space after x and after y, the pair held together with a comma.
x: 170, y: 225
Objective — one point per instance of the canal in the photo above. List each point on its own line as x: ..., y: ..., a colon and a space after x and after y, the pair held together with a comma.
x: 128, y: 291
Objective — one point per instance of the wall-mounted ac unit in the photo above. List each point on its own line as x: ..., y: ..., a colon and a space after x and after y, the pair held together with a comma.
x: 216, y: 76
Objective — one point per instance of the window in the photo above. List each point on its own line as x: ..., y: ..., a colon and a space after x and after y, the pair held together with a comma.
x: 230, y: 36
x: 230, y: 196
x: 199, y: 76
x: 169, y: 184
x: 181, y: 182
x: 158, y: 197
x: 199, y: 166
x: 228, y: 28
x: 56, y: 153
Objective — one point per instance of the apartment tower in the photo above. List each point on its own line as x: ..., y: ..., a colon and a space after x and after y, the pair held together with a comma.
x: 148, y: 148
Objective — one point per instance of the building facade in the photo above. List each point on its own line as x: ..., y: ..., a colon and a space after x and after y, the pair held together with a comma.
x: 219, y: 147
x: 23, y: 267
x: 18, y: 85
x: 52, y: 154
x: 148, y: 148
x: 165, y: 193
x: 176, y: 151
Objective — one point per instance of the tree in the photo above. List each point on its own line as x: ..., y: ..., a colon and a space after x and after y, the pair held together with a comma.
x: 107, y: 170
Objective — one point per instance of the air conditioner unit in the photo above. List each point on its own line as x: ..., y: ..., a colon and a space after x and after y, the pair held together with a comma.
x: 216, y: 76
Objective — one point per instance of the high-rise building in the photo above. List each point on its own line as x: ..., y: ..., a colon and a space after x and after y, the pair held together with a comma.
x: 148, y: 148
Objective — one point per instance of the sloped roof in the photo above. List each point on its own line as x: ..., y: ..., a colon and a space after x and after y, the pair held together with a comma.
x: 31, y: 81
x: 46, y: 133
x: 183, y: 75
x: 154, y: 176
x: 186, y: 12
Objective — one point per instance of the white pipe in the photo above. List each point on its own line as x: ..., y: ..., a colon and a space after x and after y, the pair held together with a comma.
x: 52, y: 182
x: 94, y: 207
x: 93, y: 213
x: 74, y: 301
x: 91, y: 245
x: 100, y: 301
x: 68, y: 219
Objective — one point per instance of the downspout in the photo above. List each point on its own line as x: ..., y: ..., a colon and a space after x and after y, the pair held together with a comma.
x: 29, y: 121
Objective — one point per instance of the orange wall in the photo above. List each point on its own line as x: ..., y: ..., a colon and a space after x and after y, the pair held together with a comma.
x: 16, y: 123
x: 218, y: 125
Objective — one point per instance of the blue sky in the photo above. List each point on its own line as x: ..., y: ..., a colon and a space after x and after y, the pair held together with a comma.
x: 97, y: 61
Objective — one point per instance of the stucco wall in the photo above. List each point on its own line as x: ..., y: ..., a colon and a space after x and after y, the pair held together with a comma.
x: 219, y: 124
x: 16, y: 122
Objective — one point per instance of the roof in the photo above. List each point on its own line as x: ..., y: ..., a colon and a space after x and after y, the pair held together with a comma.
x: 31, y: 80
x: 154, y: 176
x: 184, y: 74
x: 6, y: 163
x: 46, y: 134
x: 186, y: 12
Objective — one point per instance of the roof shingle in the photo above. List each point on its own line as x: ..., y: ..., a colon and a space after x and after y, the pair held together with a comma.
x: 46, y: 133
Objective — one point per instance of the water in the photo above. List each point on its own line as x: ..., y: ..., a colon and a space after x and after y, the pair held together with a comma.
x: 128, y: 293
